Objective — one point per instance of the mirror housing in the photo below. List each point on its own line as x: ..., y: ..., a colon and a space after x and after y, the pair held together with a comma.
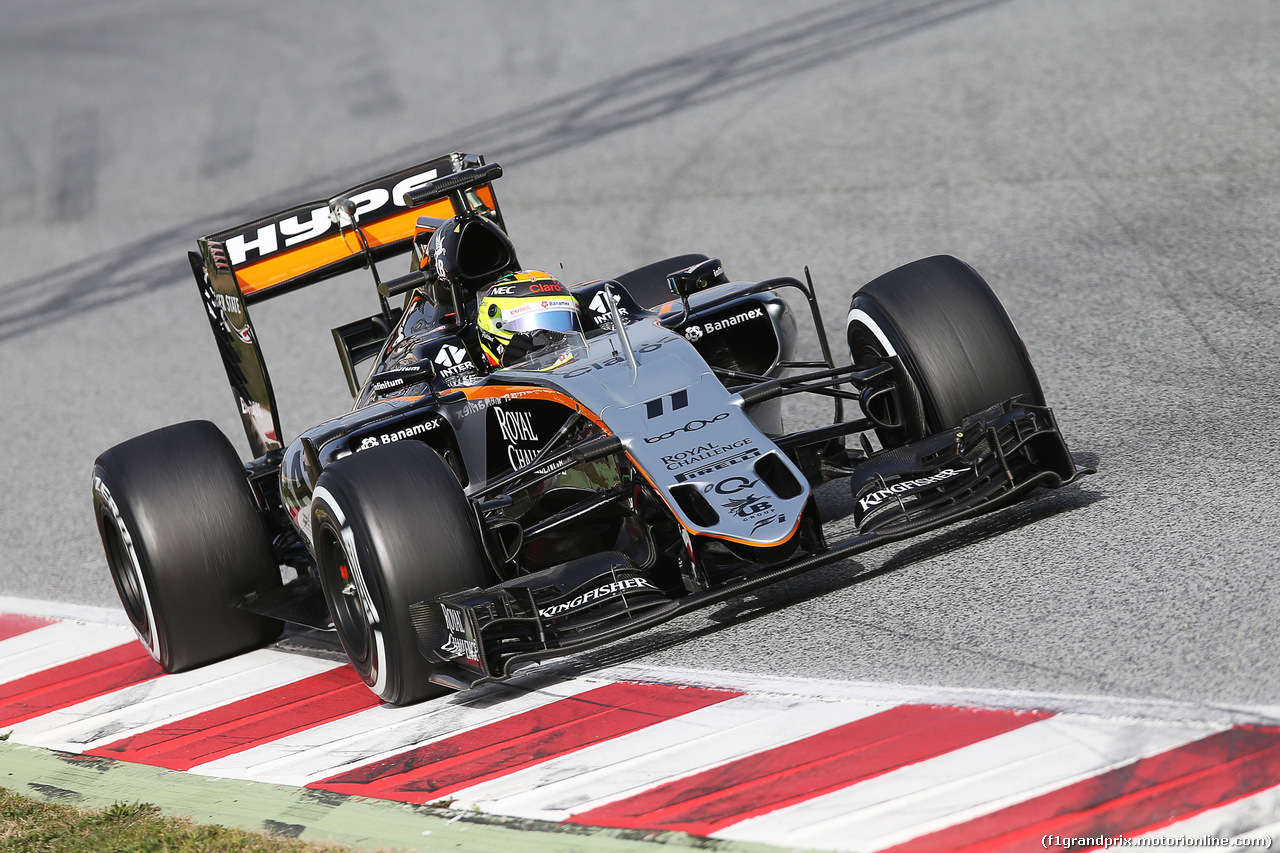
x: 700, y: 276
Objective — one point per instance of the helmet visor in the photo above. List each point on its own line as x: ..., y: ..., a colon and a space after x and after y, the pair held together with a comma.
x: 553, y: 319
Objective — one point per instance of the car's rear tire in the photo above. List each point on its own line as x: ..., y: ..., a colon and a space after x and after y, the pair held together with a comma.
x: 185, y: 542
x: 954, y: 350
x: 392, y: 527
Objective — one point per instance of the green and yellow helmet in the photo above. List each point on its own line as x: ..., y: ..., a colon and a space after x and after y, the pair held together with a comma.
x: 525, y: 302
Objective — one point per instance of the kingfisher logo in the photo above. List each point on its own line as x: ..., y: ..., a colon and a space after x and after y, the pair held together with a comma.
x: 905, y: 487
x: 600, y: 593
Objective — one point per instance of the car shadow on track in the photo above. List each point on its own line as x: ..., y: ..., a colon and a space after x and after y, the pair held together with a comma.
x: 794, y: 591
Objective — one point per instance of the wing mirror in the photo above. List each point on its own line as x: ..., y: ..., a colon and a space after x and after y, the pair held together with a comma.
x: 700, y: 276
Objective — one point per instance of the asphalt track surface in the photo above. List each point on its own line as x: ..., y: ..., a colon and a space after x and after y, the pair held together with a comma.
x: 1110, y: 166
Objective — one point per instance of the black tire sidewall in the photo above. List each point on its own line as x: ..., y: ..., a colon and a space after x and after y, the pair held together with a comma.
x: 399, y: 511
x: 180, y: 497
x: 953, y: 340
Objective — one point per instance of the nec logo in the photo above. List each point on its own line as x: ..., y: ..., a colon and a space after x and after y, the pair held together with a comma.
x: 372, y: 203
x: 502, y: 290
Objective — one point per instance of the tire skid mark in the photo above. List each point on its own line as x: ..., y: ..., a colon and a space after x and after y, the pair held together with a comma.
x: 77, y: 159
x: 551, y: 127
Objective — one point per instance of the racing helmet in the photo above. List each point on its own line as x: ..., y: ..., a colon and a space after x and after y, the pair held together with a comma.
x: 524, y: 302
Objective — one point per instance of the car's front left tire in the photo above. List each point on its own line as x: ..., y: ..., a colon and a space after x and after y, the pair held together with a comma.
x: 952, y: 346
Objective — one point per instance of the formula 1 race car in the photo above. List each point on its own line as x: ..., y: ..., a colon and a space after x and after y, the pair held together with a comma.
x: 467, y: 517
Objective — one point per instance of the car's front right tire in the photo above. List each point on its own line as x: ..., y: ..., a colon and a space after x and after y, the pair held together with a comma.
x: 391, y: 527
x: 185, y: 542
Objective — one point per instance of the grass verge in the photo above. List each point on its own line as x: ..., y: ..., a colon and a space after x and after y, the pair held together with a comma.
x: 30, y: 826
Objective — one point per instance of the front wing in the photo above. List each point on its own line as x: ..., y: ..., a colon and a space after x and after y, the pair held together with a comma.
x: 993, y: 459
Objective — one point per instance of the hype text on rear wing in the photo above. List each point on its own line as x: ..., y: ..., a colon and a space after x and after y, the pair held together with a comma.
x: 314, y: 241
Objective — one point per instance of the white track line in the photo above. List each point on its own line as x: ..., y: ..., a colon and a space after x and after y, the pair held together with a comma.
x: 1161, y: 710
x: 59, y: 610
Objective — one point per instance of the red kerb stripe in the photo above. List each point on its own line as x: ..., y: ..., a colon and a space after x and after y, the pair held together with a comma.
x: 1139, y: 797
x: 788, y: 774
x: 11, y: 624
x: 432, y: 771
x: 246, y: 723
x: 75, y: 682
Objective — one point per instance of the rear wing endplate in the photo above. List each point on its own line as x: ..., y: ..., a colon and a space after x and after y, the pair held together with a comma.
x: 308, y: 243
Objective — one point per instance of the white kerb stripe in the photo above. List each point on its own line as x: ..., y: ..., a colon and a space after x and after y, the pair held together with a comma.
x: 963, y: 784
x: 381, y: 732
x: 54, y: 645
x: 154, y: 703
x: 663, y: 752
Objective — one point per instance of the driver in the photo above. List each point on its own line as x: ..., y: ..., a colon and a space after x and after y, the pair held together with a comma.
x: 522, y: 312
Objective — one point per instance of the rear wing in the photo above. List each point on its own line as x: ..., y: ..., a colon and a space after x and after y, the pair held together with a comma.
x: 311, y: 242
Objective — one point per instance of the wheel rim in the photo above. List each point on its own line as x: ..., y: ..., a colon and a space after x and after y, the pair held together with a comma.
x: 866, y: 357
x: 865, y: 352
x: 349, y: 618
x: 127, y: 577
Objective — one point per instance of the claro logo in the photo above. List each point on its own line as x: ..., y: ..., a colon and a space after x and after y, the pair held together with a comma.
x: 372, y: 203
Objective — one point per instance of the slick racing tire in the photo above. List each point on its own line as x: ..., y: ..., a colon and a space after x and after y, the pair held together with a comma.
x: 392, y: 527
x: 953, y: 347
x: 185, y: 542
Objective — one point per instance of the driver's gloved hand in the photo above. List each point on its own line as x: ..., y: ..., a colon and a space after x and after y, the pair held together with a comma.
x: 524, y: 343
